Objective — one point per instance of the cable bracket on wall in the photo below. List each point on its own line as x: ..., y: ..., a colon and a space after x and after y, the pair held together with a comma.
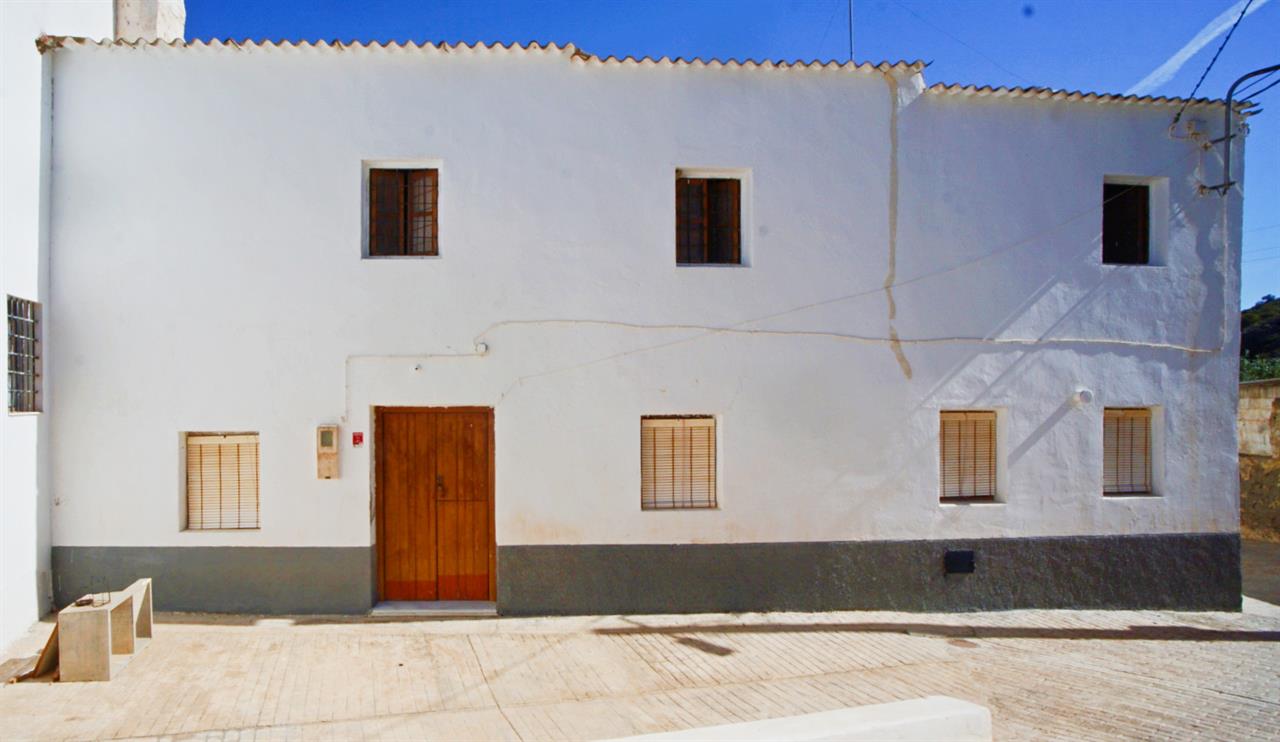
x: 1227, y: 131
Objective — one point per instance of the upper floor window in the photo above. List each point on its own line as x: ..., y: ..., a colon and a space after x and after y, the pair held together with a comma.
x: 1126, y: 223
x: 402, y: 212
x: 708, y: 221
x: 24, y: 355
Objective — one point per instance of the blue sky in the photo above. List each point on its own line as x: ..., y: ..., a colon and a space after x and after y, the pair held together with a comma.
x: 1103, y: 45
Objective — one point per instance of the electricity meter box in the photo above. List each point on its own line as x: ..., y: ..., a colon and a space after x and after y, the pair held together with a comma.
x: 327, y: 451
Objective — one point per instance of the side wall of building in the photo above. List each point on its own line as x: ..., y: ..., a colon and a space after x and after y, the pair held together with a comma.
x: 239, y: 301
x: 25, y: 538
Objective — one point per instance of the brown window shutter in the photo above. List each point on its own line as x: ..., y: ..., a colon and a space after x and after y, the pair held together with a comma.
x: 422, y: 194
x: 677, y: 463
x: 1126, y: 451
x: 691, y: 220
x: 967, y: 455
x: 682, y: 219
x: 708, y: 220
x: 725, y: 236
x: 386, y: 220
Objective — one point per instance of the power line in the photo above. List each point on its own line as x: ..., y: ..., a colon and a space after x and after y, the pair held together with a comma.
x: 834, y: 7
x: 957, y: 39
x: 1256, y: 93
x: 850, y: 30
x: 1205, y: 74
x: 1242, y: 92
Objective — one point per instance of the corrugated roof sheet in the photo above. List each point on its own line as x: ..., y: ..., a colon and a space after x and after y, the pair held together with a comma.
x: 1063, y: 94
x: 45, y: 43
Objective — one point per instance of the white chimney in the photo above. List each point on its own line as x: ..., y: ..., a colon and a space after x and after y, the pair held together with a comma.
x: 149, y: 20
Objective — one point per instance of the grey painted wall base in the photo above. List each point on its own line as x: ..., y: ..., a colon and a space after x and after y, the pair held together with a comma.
x: 231, y: 579
x: 1181, y: 571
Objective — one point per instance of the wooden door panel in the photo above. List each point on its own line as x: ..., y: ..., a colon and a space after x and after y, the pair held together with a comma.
x: 396, y: 455
x: 435, y: 518
x: 424, y: 511
x: 463, y: 464
x: 464, y: 550
x: 406, y: 522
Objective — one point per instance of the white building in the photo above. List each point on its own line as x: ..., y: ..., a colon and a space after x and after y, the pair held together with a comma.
x: 26, y: 588
x: 911, y: 346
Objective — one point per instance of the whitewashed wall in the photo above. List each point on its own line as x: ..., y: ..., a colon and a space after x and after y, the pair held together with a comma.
x: 207, y: 243
x: 25, y: 590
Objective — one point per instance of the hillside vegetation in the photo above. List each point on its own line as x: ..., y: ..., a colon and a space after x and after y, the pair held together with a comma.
x: 1260, y: 340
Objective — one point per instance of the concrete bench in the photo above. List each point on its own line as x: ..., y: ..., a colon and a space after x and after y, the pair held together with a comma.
x: 930, y: 718
x: 96, y: 639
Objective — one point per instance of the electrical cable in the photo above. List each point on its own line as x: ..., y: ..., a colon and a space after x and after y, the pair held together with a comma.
x: 1256, y: 93
x: 827, y: 30
x: 1203, y: 75
x: 1242, y: 93
x: 959, y: 41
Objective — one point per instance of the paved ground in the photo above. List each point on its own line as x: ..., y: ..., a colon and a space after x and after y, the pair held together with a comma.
x: 1043, y: 674
x: 1261, y: 567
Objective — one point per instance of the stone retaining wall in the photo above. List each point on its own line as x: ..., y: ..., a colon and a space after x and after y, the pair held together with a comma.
x: 1259, y: 428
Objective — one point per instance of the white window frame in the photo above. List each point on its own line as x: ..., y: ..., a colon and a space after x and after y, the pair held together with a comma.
x: 1157, y: 219
x: 1157, y: 453
x: 1000, y: 497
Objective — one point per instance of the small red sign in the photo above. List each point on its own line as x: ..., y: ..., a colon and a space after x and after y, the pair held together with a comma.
x: 357, y: 439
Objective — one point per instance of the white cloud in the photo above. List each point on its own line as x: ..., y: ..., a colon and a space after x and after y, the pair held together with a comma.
x: 1215, y: 28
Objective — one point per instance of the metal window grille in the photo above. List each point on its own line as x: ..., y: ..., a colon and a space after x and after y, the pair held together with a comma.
x: 24, y: 355
x: 222, y: 481
x: 402, y: 211
x: 1126, y: 451
x: 708, y: 220
x: 677, y: 463
x: 967, y: 445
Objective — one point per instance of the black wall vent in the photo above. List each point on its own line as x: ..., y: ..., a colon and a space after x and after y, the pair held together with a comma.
x: 958, y: 562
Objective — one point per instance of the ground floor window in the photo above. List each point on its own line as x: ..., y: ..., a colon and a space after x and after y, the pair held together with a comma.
x: 967, y: 445
x: 222, y: 481
x: 1126, y: 451
x: 677, y: 463
x: 24, y: 355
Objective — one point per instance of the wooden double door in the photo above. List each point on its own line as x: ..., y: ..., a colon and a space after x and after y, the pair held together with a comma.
x: 434, y: 504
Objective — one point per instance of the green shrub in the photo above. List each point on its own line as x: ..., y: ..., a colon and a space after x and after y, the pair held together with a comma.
x: 1256, y: 369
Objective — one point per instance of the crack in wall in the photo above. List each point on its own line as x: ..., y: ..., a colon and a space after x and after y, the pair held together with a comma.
x: 891, y: 276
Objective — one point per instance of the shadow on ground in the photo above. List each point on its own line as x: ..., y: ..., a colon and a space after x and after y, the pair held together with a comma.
x: 1138, y: 633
